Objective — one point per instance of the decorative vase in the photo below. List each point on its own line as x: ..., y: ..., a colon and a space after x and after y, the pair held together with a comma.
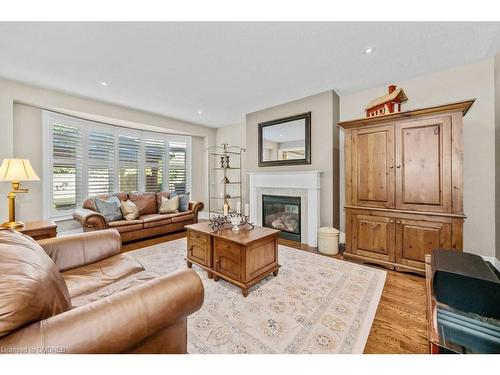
x: 236, y: 221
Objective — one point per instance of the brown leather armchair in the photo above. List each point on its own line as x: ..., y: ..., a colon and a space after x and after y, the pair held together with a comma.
x: 96, y: 300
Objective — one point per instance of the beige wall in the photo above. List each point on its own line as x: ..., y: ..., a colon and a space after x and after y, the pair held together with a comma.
x: 21, y: 129
x: 464, y: 82
x: 324, y: 108
x: 497, y: 154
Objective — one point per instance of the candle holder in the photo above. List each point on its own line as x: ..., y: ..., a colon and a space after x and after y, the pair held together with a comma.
x: 236, y: 220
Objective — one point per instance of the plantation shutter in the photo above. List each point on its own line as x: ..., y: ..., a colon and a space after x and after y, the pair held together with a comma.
x: 177, y: 169
x: 101, y: 150
x: 66, y: 168
x: 129, y: 150
x: 154, y: 164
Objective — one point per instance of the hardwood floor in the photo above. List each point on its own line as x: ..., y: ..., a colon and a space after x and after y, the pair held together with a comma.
x: 400, y: 324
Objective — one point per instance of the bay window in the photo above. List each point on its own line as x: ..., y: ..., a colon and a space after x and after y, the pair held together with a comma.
x: 83, y: 159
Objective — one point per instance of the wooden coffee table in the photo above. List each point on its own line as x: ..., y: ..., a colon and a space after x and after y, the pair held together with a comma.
x: 242, y: 258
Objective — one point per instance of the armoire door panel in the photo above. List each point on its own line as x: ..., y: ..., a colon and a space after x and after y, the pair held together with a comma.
x: 373, y: 236
x: 423, y: 165
x: 373, y: 167
x: 415, y: 238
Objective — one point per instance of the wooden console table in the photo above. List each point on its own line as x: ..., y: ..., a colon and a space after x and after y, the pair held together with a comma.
x: 38, y: 230
x: 242, y: 258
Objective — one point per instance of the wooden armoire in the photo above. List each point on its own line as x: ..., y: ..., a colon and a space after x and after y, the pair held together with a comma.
x: 403, y: 185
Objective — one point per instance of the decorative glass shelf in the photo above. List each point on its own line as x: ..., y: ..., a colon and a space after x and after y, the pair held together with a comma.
x: 237, y: 197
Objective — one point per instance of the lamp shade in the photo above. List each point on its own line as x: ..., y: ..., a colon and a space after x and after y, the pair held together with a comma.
x: 17, y: 170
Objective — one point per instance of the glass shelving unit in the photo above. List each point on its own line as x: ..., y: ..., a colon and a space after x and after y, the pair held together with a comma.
x: 224, y: 178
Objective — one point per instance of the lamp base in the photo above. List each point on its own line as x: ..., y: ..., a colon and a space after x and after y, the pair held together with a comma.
x: 12, y: 224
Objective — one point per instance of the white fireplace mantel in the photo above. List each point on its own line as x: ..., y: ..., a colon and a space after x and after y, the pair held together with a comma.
x: 297, y: 183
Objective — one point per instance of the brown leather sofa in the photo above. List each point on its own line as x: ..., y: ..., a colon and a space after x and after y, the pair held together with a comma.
x: 150, y: 223
x: 80, y: 294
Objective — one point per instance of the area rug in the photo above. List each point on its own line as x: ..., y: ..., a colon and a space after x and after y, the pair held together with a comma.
x: 315, y: 305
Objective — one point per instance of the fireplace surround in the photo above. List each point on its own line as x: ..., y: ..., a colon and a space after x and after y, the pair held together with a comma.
x: 283, y: 213
x: 303, y: 184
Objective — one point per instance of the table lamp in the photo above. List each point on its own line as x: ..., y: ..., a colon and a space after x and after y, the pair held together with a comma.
x: 16, y: 170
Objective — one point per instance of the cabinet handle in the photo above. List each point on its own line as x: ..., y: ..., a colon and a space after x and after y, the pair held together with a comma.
x: 398, y: 222
x: 226, y: 247
x: 398, y: 166
x: 391, y: 166
x: 391, y: 221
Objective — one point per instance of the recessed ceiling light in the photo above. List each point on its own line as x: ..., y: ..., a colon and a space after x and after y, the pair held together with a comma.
x: 369, y: 50
x: 103, y: 83
x: 200, y: 111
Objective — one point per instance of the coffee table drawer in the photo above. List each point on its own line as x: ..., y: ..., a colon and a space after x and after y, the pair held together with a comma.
x: 198, y: 237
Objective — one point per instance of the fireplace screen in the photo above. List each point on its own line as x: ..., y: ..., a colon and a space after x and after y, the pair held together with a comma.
x: 283, y: 213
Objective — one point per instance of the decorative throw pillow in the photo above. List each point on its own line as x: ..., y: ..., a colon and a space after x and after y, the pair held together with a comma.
x: 169, y: 206
x: 184, y: 202
x: 110, y: 208
x: 31, y: 286
x: 129, y: 210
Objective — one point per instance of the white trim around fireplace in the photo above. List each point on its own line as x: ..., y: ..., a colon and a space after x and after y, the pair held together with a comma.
x: 305, y: 184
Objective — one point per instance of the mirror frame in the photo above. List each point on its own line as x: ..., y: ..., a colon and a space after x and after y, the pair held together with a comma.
x: 271, y: 163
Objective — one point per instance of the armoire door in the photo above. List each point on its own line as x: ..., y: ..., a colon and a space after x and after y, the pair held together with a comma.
x: 373, y: 237
x: 415, y: 238
x: 372, y: 171
x: 423, y: 165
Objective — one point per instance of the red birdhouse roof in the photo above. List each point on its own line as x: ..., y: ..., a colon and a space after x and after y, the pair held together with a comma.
x: 396, y: 94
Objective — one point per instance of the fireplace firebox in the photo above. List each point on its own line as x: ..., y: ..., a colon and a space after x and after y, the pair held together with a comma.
x: 282, y: 213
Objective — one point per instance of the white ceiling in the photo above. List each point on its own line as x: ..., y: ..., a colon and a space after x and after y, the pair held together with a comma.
x: 229, y: 69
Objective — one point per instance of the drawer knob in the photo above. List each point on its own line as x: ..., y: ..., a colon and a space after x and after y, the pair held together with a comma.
x: 391, y: 166
x: 398, y: 166
x: 226, y: 247
x: 391, y: 221
x: 398, y: 222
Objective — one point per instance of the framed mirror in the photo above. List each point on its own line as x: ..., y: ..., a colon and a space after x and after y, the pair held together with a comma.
x: 286, y: 141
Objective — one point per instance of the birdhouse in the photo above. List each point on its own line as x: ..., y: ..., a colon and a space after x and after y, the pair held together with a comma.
x: 387, y: 104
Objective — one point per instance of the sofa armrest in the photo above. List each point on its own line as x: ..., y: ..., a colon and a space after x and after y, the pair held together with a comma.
x: 115, y: 324
x: 196, y: 207
x: 77, y: 250
x: 90, y: 220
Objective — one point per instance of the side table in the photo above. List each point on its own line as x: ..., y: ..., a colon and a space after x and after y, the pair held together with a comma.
x: 39, y: 230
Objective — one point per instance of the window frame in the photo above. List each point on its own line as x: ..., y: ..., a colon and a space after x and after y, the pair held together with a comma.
x: 86, y: 126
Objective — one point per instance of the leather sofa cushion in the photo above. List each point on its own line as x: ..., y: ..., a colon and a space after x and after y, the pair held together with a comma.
x: 185, y: 217
x: 89, y: 278
x: 113, y: 288
x: 89, y: 203
x: 31, y: 287
x: 145, y: 202
x: 155, y: 220
x: 126, y: 225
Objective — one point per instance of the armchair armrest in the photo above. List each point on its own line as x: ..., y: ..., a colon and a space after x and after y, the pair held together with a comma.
x: 80, y: 249
x: 196, y: 207
x: 115, y: 324
x: 90, y: 220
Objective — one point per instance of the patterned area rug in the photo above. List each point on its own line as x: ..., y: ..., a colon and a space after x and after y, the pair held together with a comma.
x: 315, y: 305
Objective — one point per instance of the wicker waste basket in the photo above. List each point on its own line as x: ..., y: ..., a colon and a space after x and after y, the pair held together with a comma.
x: 328, y: 242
